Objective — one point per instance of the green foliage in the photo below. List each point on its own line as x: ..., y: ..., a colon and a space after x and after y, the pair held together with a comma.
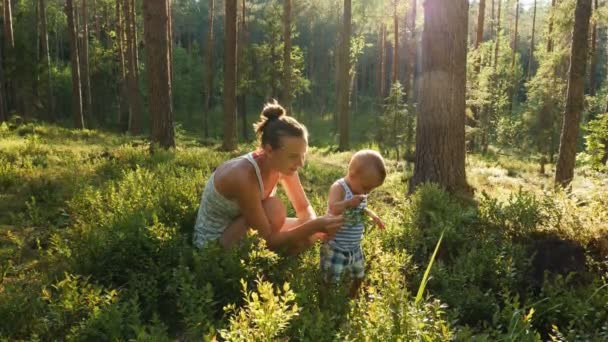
x: 597, y: 142
x: 266, y: 313
x: 95, y: 245
x: 396, y: 128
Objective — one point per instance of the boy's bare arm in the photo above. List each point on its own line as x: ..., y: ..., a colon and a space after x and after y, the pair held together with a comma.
x: 336, y: 204
x: 375, y: 218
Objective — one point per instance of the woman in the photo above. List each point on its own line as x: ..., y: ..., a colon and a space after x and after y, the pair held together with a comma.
x: 240, y: 193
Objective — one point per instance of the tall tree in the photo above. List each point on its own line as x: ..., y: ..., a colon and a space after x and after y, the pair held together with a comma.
x: 135, y: 102
x: 286, y: 96
x: 382, y: 77
x: 575, y: 94
x: 9, y: 47
x: 76, y: 86
x: 85, y: 80
x: 242, y: 97
x: 46, y: 65
x: 550, y: 30
x: 531, y: 58
x: 156, y: 35
x: 209, y: 60
x: 344, y: 77
x: 123, y: 112
x: 440, y: 142
x: 3, y: 107
x: 230, y: 75
x: 481, y: 17
x: 513, y: 87
x: 484, y: 116
x: 395, y: 42
x: 409, y: 85
x: 593, y: 53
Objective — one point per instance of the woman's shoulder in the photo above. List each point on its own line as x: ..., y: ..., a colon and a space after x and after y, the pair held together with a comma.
x: 236, y: 172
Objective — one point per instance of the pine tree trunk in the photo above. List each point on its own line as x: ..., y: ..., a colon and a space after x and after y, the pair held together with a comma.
x: 481, y: 16
x: 575, y: 94
x: 550, y: 31
x: 485, y: 115
x: 545, y: 113
x: 344, y: 78
x: 383, y: 63
x: 3, y: 107
x: 531, y: 58
x: 156, y: 35
x: 9, y: 47
x: 230, y: 71
x: 440, y: 143
x: 76, y: 87
x: 123, y: 110
x: 514, y: 85
x: 209, y: 59
x: 46, y: 65
x: 493, y: 20
x: 409, y: 41
x: 413, y: 64
x: 286, y: 96
x: 96, y: 22
x: 242, y: 98
x: 87, y: 104
x: 395, y: 43
x: 593, y: 53
x: 135, y: 104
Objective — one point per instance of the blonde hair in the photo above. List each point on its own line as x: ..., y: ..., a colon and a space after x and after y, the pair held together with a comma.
x: 369, y: 158
x: 274, y: 123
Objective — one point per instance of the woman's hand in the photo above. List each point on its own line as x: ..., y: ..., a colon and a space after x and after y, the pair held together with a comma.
x: 330, y: 224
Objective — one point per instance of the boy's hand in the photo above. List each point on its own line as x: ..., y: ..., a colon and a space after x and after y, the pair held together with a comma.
x: 356, y: 200
x: 378, y: 222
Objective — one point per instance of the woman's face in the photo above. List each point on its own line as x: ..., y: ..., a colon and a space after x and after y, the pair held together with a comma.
x: 288, y: 158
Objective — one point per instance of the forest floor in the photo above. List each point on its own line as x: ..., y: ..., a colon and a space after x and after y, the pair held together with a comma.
x: 95, y: 244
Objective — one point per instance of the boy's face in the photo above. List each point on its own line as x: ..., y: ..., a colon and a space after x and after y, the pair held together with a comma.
x: 364, y: 180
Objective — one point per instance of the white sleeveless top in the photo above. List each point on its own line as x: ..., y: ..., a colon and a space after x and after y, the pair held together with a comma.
x: 216, y: 212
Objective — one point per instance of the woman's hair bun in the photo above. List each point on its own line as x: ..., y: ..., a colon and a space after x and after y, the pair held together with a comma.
x: 273, y: 110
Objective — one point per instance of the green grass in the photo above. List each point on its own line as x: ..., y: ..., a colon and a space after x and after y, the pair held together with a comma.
x: 95, y: 245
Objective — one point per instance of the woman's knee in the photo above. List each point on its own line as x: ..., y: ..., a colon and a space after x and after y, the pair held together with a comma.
x: 275, y: 212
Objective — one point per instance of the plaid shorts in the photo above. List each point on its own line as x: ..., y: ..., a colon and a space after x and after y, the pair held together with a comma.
x: 334, y: 262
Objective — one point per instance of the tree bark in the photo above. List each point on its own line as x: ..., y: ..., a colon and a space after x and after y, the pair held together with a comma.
x: 286, y: 98
x: 481, y: 16
x: 156, y: 35
x: 410, y: 46
x: 85, y: 80
x: 3, y: 107
x: 209, y: 59
x: 135, y: 102
x: 76, y: 87
x: 344, y: 80
x: 396, y: 42
x: 575, y: 93
x: 593, y: 53
x: 242, y: 97
x: 440, y: 141
x: 550, y: 30
x: 531, y: 58
x: 383, y: 63
x: 230, y: 71
x: 46, y: 65
x: 514, y: 86
x: 9, y: 41
x: 123, y: 111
